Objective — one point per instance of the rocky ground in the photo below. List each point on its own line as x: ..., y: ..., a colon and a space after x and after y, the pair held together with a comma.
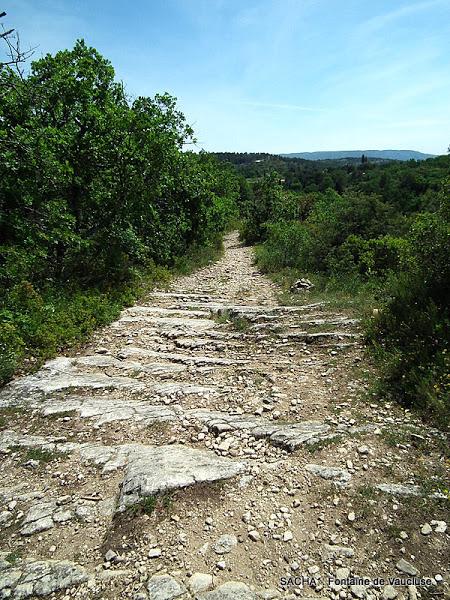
x: 214, y: 444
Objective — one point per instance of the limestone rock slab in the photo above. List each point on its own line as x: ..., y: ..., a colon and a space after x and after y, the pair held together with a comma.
x: 39, y: 578
x: 339, y: 476
x: 170, y: 467
x: 287, y: 435
x: 62, y: 374
x: 165, y: 587
x: 231, y: 590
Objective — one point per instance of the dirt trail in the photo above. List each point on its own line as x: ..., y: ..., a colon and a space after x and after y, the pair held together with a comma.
x: 209, y: 443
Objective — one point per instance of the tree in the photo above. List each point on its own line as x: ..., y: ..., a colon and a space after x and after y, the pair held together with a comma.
x: 15, y: 56
x: 93, y: 186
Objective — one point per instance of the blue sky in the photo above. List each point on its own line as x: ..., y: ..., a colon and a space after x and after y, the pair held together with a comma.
x: 272, y: 75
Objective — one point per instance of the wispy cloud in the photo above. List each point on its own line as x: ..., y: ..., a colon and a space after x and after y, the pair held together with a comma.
x: 269, y: 75
x: 382, y: 20
x: 415, y: 123
x: 276, y: 106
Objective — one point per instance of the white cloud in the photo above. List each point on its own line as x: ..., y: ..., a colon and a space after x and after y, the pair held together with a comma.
x: 380, y: 21
x: 277, y: 106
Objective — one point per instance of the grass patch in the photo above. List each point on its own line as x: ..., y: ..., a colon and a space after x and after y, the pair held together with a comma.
x: 38, y: 454
x: 155, y: 503
x: 414, y: 437
x: 61, y: 414
x: 345, y: 293
x: 167, y: 501
x: 325, y: 443
x: 228, y: 317
x: 7, y: 414
x: 134, y: 373
x: 10, y: 411
x: 368, y: 492
x: 366, y: 501
x: 240, y: 323
x: 197, y: 257
x: 393, y: 531
x: 158, y: 427
x: 43, y: 456
x: 148, y: 505
x: 436, y: 483
x: 13, y: 557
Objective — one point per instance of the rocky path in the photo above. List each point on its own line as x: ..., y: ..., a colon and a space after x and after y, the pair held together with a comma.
x: 210, y: 443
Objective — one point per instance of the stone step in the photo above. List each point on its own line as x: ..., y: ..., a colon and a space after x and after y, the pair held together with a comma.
x: 289, y: 436
x: 149, y: 470
x: 36, y: 578
x: 187, y: 296
x: 150, y: 310
x: 168, y: 323
x: 103, y: 361
x: 249, y: 309
x: 63, y: 374
x: 101, y: 409
x: 321, y: 335
x: 165, y: 468
x: 131, y: 351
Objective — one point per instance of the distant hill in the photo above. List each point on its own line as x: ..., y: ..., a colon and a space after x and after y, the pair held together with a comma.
x: 340, y: 154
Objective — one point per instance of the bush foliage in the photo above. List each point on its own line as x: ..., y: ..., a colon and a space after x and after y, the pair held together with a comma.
x: 394, y: 246
x: 95, y: 191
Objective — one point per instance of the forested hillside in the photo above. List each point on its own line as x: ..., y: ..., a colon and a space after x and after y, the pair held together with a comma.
x: 378, y: 235
x: 97, y: 193
x: 389, y: 178
x: 372, y: 154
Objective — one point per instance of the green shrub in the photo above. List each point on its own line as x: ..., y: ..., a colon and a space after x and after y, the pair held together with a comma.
x: 368, y: 258
x: 198, y: 256
x: 412, y: 335
x: 11, y: 350
x: 349, y: 240
x: 287, y: 244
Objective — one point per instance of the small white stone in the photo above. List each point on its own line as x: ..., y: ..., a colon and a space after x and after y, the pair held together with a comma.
x: 342, y: 573
x: 441, y: 527
x: 200, y: 582
x: 254, y: 535
x: 110, y: 555
x: 358, y: 591
x: 389, y: 592
x: 225, y: 544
